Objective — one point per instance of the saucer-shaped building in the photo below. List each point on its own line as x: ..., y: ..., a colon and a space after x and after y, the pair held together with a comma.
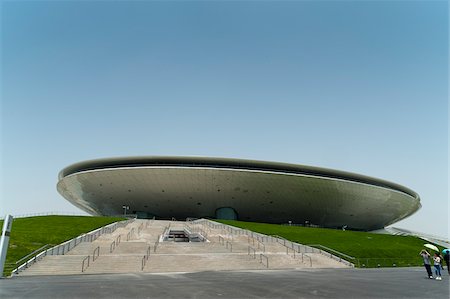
x: 258, y: 191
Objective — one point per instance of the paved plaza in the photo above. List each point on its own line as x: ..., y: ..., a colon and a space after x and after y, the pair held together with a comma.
x: 305, y: 283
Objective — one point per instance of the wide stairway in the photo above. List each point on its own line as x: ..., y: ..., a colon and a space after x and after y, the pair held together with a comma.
x: 143, y: 246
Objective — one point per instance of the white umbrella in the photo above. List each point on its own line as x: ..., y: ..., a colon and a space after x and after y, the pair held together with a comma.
x: 431, y: 246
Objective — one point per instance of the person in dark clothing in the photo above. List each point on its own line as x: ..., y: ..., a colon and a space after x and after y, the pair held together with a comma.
x: 426, y: 262
x: 446, y: 259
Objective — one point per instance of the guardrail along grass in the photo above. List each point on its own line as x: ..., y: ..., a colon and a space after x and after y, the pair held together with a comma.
x: 29, y: 234
x: 369, y: 249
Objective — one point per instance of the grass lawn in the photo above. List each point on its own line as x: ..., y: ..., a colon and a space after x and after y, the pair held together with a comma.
x: 369, y: 249
x: 29, y: 234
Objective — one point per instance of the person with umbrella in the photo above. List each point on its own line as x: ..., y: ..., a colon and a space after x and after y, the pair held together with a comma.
x: 426, y: 262
x: 446, y: 258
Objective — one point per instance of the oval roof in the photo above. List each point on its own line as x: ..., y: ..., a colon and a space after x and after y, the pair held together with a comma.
x: 213, y: 162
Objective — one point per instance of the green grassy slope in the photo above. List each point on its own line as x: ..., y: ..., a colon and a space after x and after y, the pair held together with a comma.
x: 29, y: 234
x: 369, y: 249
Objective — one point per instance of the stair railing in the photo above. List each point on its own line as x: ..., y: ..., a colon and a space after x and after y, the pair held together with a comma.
x: 250, y: 238
x: 65, y: 247
x: 229, y: 245
x: 261, y: 245
x: 83, y: 263
x: 31, y: 254
x: 263, y: 257
x: 299, y: 248
x: 310, y: 260
x: 290, y: 249
x: 143, y: 263
x: 327, y: 251
x: 95, y: 256
x: 145, y: 258
x: 156, y: 244
x: 251, y: 249
x: 130, y: 234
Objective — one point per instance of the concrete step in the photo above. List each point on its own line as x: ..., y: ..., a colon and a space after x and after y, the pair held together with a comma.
x: 116, y: 264
x: 131, y: 247
x: 193, y: 247
x: 56, y: 265
x: 200, y: 262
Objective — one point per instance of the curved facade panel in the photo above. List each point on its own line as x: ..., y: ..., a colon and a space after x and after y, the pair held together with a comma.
x: 257, y: 191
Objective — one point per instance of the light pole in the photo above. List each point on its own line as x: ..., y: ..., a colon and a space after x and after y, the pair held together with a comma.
x: 4, y: 241
x: 125, y: 208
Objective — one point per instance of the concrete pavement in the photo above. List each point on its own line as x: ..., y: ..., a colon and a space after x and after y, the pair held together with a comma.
x: 305, y: 283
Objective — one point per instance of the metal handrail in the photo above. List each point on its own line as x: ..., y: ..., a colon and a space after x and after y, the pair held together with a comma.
x: 29, y: 261
x: 112, y: 246
x: 277, y: 237
x: 250, y: 237
x: 283, y: 241
x: 254, y: 251
x: 287, y: 251
x: 28, y: 255
x: 145, y: 258
x: 62, y: 213
x: 261, y: 256
x: 332, y: 250
x: 231, y: 246
x: 221, y: 240
x: 364, y: 262
x: 323, y: 252
x: 82, y: 264
x: 98, y: 253
x: 310, y: 259
x: 187, y: 228
x: 262, y: 244
x: 130, y: 234
x: 118, y: 240
x: 156, y: 245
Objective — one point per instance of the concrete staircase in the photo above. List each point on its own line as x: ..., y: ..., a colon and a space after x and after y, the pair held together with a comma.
x: 56, y: 265
x: 221, y: 251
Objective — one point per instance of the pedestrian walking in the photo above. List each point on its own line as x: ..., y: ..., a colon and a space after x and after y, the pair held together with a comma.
x: 446, y: 259
x: 426, y: 262
x: 437, y: 266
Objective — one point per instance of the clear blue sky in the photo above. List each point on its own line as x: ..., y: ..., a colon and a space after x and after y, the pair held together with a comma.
x: 357, y: 86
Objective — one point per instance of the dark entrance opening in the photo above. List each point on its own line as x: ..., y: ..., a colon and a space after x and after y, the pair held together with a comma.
x: 178, y: 236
